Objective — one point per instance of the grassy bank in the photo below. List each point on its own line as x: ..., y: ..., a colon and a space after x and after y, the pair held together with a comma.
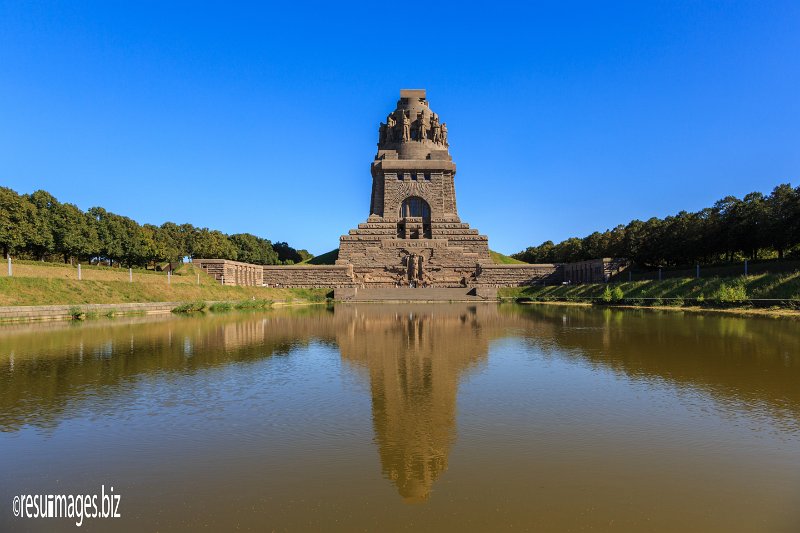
x: 676, y: 292
x: 46, y: 284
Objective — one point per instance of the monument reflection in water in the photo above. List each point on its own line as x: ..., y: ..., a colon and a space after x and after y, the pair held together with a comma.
x: 482, y: 415
x: 415, y: 358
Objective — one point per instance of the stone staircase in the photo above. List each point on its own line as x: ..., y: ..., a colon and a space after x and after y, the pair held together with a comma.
x: 406, y: 294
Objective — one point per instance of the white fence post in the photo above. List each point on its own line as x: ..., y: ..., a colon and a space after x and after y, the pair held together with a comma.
x: 9, y: 265
x: 698, y: 270
x: 745, y: 267
x: 130, y: 275
x: 79, y: 272
x: 169, y: 277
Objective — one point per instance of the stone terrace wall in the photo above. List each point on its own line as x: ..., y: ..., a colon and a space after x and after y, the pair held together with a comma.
x: 310, y: 276
x: 518, y: 275
x: 594, y: 270
x: 232, y: 272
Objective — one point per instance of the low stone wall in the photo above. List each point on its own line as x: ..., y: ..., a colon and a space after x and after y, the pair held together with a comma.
x: 594, y: 270
x: 518, y: 275
x: 63, y: 312
x: 310, y: 276
x: 233, y: 273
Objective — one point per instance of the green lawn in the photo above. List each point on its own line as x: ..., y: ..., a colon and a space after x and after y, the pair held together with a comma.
x: 46, y: 290
x: 780, y: 286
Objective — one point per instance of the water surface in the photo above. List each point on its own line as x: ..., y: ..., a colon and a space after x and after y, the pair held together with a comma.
x: 432, y: 417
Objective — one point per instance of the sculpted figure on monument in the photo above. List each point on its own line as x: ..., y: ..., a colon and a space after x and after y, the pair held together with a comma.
x: 406, y: 127
x: 382, y: 134
x: 422, y: 128
x: 391, y: 123
x: 444, y: 133
x: 436, y: 129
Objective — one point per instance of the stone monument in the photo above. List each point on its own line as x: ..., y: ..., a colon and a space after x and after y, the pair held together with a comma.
x: 413, y: 236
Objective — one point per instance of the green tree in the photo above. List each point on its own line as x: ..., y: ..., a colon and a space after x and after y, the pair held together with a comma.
x: 43, y: 241
x: 173, y: 241
x: 17, y: 221
x: 74, y: 233
x: 286, y: 253
x: 212, y: 244
x: 782, y: 214
x: 252, y: 249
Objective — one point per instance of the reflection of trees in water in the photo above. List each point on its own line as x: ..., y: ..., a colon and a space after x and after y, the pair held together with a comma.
x: 754, y: 362
x: 41, y: 374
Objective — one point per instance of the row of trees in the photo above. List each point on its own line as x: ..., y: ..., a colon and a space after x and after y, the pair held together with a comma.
x: 38, y: 226
x: 754, y: 227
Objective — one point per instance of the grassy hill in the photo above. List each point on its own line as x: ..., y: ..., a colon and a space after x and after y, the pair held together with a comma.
x: 500, y: 259
x: 37, y: 283
x: 766, y: 286
x: 328, y: 258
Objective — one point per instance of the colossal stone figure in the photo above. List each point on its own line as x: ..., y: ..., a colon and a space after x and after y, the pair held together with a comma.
x: 382, y: 129
x: 436, y: 129
x: 422, y: 128
x: 391, y: 123
x: 406, y: 126
x: 444, y: 134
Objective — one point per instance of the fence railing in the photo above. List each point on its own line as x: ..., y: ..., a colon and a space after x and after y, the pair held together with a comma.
x: 709, y: 271
x: 80, y: 272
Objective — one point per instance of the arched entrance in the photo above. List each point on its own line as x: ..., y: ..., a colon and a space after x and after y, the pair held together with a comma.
x: 415, y: 219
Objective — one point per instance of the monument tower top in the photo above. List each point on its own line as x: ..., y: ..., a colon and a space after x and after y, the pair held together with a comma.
x: 412, y: 130
x: 412, y: 93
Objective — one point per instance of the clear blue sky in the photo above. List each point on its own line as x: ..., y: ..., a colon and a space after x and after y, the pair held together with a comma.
x: 564, y: 118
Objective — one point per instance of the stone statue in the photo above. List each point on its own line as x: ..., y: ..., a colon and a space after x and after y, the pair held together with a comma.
x: 422, y: 131
x: 382, y: 129
x: 437, y: 133
x: 413, y: 267
x: 391, y: 123
x: 444, y: 133
x: 406, y: 127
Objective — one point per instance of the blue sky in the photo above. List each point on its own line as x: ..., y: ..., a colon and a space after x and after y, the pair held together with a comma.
x: 563, y: 118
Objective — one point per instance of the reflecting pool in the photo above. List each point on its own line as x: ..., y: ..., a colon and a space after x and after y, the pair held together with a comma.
x: 393, y: 417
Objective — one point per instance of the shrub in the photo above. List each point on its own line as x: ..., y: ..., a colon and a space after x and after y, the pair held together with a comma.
x: 607, y: 295
x: 617, y: 294
x: 220, y: 307
x: 190, y: 307
x: 254, y: 304
x: 76, y: 313
x: 731, y: 293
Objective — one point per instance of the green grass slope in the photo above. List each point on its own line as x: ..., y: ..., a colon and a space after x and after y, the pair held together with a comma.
x: 328, y: 258
x: 762, y: 286
x: 500, y: 259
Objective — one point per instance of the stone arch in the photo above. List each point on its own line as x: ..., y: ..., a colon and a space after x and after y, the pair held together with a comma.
x: 415, y: 206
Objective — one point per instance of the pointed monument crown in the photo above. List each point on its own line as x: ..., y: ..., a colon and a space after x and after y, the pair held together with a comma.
x: 412, y: 130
